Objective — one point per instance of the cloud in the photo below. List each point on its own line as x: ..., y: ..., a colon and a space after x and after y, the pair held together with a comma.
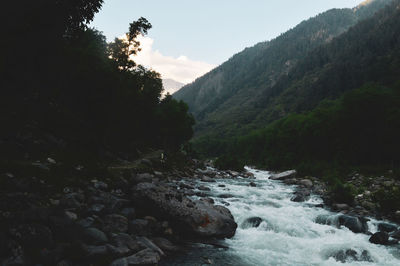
x: 181, y: 69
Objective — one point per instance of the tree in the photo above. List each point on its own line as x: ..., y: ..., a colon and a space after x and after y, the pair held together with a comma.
x: 123, y: 48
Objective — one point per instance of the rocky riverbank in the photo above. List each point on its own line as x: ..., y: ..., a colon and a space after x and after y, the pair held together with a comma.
x: 363, y: 203
x: 136, y: 214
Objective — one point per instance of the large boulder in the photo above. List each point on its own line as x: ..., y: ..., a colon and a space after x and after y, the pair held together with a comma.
x: 190, y: 218
x: 284, y: 175
x: 381, y: 238
x: 355, y: 224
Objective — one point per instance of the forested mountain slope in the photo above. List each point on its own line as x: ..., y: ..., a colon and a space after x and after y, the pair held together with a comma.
x: 229, y: 99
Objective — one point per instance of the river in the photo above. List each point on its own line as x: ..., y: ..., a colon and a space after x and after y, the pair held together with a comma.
x: 288, y: 233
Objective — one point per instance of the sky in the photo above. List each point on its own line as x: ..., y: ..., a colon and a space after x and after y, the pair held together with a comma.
x: 191, y: 37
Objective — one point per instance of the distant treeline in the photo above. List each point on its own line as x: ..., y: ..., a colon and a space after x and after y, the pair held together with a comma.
x: 360, y: 129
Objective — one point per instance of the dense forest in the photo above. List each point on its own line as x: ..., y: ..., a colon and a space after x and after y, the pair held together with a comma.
x: 240, y: 95
x: 337, y: 108
x: 64, y: 89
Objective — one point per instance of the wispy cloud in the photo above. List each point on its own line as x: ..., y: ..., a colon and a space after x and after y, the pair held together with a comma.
x: 181, y: 69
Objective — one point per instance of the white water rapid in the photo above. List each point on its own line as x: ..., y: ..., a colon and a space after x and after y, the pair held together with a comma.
x: 288, y: 233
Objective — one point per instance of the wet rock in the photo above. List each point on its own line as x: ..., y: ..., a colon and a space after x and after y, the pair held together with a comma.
x: 301, y: 195
x: 94, y: 236
x: 251, y: 222
x: 204, y: 188
x: 385, y: 227
x: 207, y: 179
x: 225, y: 196
x: 252, y: 184
x: 115, y: 223
x: 396, y: 234
x: 284, y: 175
x: 350, y: 255
x: 184, y: 185
x: 355, y: 224
x: 381, y: 238
x: 221, y: 185
x: 144, y: 257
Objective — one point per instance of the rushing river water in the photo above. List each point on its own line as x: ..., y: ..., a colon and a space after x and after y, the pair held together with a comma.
x: 288, y: 234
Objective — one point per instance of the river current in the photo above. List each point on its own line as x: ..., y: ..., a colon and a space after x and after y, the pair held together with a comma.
x: 288, y: 233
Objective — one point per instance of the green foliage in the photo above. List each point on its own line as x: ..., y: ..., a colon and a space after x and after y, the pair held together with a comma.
x: 361, y: 128
x: 388, y: 201
x: 229, y: 162
x: 320, y: 58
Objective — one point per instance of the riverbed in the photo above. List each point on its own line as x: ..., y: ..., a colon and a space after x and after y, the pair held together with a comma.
x: 282, y: 232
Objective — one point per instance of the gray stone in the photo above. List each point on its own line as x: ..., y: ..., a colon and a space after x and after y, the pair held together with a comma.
x: 306, y: 183
x: 355, y: 224
x: 203, y: 220
x: 381, y: 238
x: 94, y: 236
x: 115, y: 223
x: 251, y: 222
x: 284, y: 175
x: 144, y: 257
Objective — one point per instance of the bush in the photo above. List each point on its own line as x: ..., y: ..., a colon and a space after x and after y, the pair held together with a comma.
x: 228, y: 162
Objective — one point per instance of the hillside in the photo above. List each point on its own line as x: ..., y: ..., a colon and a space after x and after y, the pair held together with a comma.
x: 228, y: 100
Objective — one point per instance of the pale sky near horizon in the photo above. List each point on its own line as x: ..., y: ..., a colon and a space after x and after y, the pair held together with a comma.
x: 189, y: 38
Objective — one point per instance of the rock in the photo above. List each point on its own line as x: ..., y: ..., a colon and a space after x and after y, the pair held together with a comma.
x: 252, y: 184
x: 284, y: 175
x: 115, y: 223
x: 251, y: 222
x: 225, y: 196
x: 128, y: 213
x: 100, y: 185
x: 396, y: 234
x: 147, y: 242
x: 94, y: 236
x: 207, y: 179
x: 221, y: 185
x: 52, y: 161
x: 71, y: 215
x: 140, y: 227
x: 350, y: 255
x: 355, y: 224
x: 72, y: 200
x: 306, y: 183
x: 184, y: 185
x: 125, y: 240
x: 201, y: 220
x: 301, y: 195
x: 87, y: 222
x: 144, y: 257
x: 164, y: 244
x: 385, y: 227
x: 204, y: 188
x: 381, y: 238
x: 340, y: 206
x: 140, y: 178
x: 96, y: 208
